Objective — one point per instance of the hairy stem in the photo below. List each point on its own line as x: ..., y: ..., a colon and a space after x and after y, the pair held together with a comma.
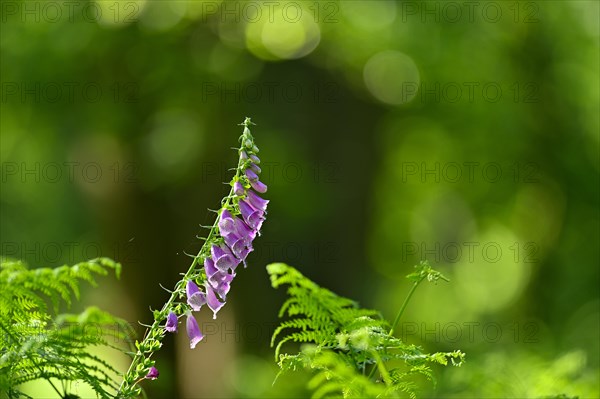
x: 152, y: 339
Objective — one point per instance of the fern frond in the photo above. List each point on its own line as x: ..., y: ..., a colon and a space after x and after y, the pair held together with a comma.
x: 339, y: 340
x: 34, y: 345
x: 337, y: 378
x: 316, y: 312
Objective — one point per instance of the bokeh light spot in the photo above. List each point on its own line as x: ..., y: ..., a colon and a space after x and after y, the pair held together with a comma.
x: 494, y: 272
x: 285, y: 35
x: 392, y: 77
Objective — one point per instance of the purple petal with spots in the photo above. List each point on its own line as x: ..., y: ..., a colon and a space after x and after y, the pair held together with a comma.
x: 223, y: 258
x: 226, y: 223
x: 216, y: 279
x: 239, y: 246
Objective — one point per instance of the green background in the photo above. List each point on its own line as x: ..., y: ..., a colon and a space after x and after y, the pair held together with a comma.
x: 465, y: 133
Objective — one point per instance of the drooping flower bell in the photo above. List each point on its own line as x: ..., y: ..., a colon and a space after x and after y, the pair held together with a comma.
x: 239, y: 246
x: 223, y: 258
x: 238, y: 189
x: 195, y: 297
x: 244, y: 230
x: 227, y: 223
x: 256, y: 201
x: 255, y: 168
x: 253, y: 217
x: 222, y: 288
x: 259, y: 186
x: 171, y: 325
x: 251, y: 175
x: 213, y: 302
x: 193, y: 331
x: 213, y: 274
x: 152, y: 373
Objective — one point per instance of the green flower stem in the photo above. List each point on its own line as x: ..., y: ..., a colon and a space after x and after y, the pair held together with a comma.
x: 152, y: 341
x: 403, y: 307
x: 424, y: 272
x: 398, y: 316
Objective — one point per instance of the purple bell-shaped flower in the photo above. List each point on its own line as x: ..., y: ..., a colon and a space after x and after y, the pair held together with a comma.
x: 253, y: 217
x: 171, y: 324
x: 195, y: 297
x: 193, y: 331
x: 223, y: 258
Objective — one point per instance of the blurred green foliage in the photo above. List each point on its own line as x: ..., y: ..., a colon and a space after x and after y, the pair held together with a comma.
x: 465, y: 133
